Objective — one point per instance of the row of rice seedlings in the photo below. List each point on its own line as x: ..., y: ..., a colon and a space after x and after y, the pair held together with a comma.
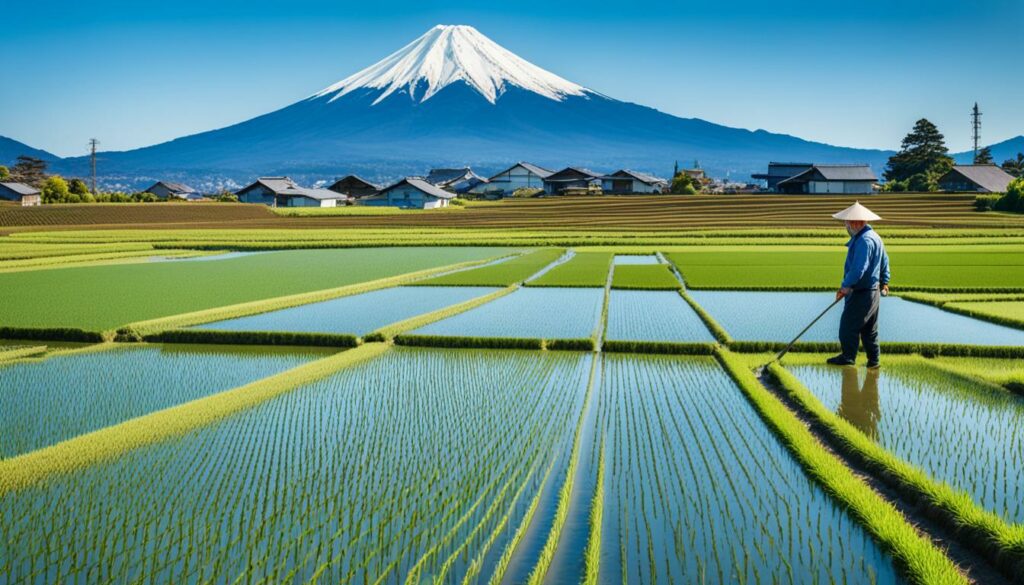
x: 592, y: 554
x: 536, y: 313
x: 583, y: 269
x: 412, y: 464
x: 697, y: 489
x: 966, y: 434
x: 635, y: 315
x: 109, y: 442
x: 502, y: 274
x: 1008, y: 373
x: 983, y: 531
x: 143, y: 328
x: 49, y: 401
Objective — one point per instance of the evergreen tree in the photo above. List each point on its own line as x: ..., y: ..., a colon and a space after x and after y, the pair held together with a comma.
x: 29, y: 170
x: 78, y: 187
x: 923, y: 152
x: 1015, y: 166
x: 984, y: 157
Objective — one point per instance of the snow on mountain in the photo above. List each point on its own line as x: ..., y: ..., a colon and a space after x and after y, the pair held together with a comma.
x: 451, y: 53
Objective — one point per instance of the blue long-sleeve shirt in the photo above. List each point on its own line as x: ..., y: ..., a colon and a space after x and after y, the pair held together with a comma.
x: 867, y: 263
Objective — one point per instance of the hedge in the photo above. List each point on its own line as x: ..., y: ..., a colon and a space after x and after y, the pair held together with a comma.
x: 254, y: 338
x: 582, y: 344
x: 661, y: 347
x: 52, y: 334
x: 469, y: 342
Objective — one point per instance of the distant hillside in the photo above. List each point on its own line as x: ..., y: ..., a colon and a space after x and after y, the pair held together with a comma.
x: 11, y: 149
x: 1000, y: 151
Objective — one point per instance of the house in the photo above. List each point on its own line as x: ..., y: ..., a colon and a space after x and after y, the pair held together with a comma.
x: 627, y: 181
x: 780, y: 171
x: 522, y: 175
x: 975, y: 179
x: 572, y: 180
x: 455, y: 180
x: 26, y: 195
x: 355, y: 187
x: 165, y: 189
x: 284, y: 192
x: 410, y: 193
x: 820, y: 179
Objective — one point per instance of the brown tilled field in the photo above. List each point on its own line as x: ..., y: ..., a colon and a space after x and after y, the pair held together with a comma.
x: 613, y: 213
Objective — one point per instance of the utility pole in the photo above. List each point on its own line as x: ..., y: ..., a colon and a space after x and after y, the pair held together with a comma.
x: 976, y: 128
x: 93, y: 143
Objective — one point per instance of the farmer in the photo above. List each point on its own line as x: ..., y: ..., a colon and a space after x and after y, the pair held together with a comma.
x: 865, y: 280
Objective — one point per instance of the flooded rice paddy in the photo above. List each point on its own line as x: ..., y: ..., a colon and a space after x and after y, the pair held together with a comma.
x: 966, y: 434
x: 544, y: 313
x: 357, y: 314
x: 43, y: 402
x: 778, y: 316
x: 643, y: 315
x: 698, y: 490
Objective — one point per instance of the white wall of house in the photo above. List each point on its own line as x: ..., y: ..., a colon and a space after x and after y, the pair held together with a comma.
x: 310, y: 202
x: 608, y: 186
x: 406, y: 196
x: 839, y: 187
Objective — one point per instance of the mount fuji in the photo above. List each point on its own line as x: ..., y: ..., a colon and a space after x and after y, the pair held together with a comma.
x: 455, y: 97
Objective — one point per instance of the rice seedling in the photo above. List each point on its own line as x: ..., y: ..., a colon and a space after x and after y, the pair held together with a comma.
x: 142, y: 289
x: 503, y: 273
x: 1008, y: 373
x: 537, y: 313
x: 635, y: 315
x: 697, y: 489
x: 14, y: 352
x: 49, y: 401
x: 583, y: 269
x: 966, y: 434
x: 1009, y: 313
x: 983, y: 531
x: 340, y: 482
x: 418, y: 321
x: 355, y: 314
x: 778, y: 316
x: 644, y: 277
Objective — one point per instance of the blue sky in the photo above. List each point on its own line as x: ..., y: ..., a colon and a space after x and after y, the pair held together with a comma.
x: 850, y: 73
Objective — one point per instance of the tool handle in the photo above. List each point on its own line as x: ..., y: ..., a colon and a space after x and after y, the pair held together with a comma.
x: 779, y: 355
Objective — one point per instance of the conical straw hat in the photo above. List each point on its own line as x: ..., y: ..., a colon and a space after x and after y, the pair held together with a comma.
x: 856, y: 212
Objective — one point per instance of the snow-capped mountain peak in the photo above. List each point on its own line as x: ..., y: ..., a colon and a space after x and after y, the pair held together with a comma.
x: 454, y: 53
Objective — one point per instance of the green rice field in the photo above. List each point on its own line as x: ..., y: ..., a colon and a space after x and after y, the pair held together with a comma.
x: 508, y: 393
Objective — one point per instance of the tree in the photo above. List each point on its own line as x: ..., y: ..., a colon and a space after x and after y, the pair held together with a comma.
x: 78, y: 187
x: 683, y: 184
x: 984, y: 157
x: 5, y: 173
x: 923, y: 152
x: 1014, y: 198
x: 55, y: 190
x: 29, y: 170
x: 1015, y: 166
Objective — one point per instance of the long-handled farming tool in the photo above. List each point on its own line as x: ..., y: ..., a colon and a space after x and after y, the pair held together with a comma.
x: 779, y: 355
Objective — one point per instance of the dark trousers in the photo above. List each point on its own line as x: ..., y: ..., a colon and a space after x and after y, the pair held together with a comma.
x: 860, y: 323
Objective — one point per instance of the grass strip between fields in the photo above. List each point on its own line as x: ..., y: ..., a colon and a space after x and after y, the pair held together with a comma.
x: 412, y: 323
x: 920, y: 559
x: 463, y: 342
x: 21, y: 352
x: 713, y: 326
x: 984, y: 531
x: 25, y: 470
x: 143, y: 328
x: 660, y: 347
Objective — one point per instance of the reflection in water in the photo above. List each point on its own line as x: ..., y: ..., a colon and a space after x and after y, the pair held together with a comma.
x: 859, y: 404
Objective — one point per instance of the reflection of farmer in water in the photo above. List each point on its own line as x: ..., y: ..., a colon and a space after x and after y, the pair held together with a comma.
x: 859, y: 405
